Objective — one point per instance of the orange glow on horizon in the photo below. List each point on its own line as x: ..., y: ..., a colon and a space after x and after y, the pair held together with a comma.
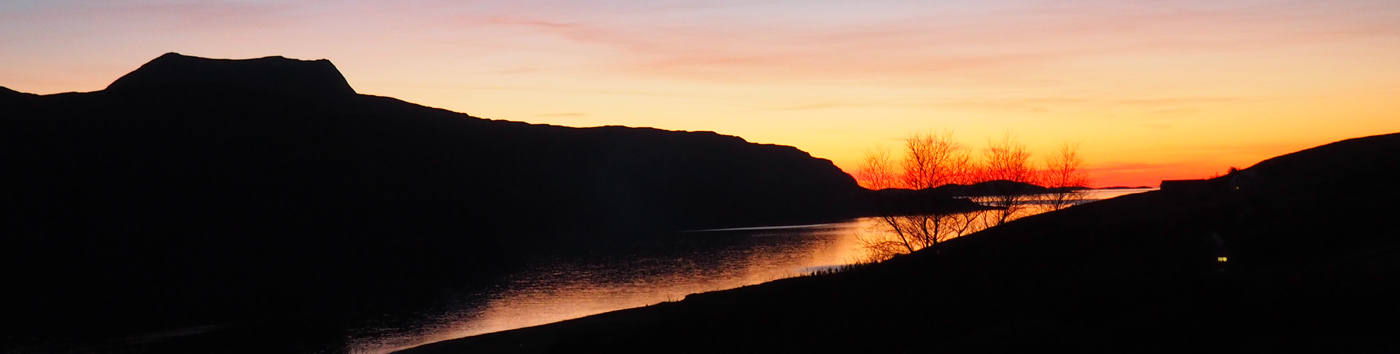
x: 1150, y: 90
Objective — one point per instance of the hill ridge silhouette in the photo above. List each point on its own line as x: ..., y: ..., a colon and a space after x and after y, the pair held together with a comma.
x: 272, y: 73
x: 7, y: 94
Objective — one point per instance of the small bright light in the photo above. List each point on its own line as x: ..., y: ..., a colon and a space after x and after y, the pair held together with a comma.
x: 1221, y: 259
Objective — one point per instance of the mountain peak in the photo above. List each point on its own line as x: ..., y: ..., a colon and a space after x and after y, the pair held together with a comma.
x: 275, y: 74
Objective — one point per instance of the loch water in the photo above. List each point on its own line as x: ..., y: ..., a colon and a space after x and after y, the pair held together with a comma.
x: 583, y: 281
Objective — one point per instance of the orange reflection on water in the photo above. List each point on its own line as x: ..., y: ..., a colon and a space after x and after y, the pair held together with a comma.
x: 568, y: 287
x: 571, y: 287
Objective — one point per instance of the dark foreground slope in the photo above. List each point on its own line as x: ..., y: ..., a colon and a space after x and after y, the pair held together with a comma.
x: 1312, y: 253
x: 196, y: 191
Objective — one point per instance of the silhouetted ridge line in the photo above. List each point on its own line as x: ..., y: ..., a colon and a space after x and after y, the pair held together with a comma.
x: 274, y: 74
x: 8, y: 95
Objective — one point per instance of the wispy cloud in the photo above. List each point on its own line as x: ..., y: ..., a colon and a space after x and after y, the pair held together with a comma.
x: 896, y: 41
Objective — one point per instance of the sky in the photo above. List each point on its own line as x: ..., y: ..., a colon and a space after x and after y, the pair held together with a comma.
x: 1150, y: 90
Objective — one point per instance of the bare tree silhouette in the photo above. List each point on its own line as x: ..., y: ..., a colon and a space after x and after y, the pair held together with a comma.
x: 1007, y: 160
x: 933, y: 165
x: 931, y: 160
x: 877, y: 174
x: 1064, y: 176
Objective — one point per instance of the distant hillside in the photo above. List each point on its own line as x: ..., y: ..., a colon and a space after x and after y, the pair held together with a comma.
x: 194, y: 190
x: 945, y: 198
x: 240, y: 141
x: 1299, y: 253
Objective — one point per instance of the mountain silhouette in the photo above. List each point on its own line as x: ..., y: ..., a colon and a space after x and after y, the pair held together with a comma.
x: 271, y: 74
x: 195, y: 191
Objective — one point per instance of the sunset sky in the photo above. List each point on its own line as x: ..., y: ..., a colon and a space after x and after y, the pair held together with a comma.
x: 1150, y: 90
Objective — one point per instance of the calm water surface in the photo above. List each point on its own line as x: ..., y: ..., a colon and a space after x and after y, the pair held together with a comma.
x: 570, y: 285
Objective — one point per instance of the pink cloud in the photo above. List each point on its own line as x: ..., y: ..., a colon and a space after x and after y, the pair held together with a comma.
x: 937, y: 46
